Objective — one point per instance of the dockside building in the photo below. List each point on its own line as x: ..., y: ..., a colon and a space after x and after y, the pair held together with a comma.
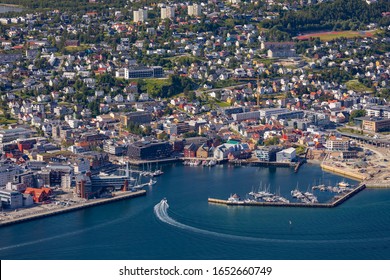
x: 146, y: 150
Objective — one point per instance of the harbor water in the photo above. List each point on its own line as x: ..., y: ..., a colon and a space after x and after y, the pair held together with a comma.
x: 188, y: 227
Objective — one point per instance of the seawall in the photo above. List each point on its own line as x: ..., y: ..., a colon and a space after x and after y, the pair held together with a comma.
x: 340, y: 171
x: 66, y: 209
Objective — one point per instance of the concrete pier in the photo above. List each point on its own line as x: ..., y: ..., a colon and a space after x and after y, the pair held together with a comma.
x: 89, y: 203
x: 332, y: 204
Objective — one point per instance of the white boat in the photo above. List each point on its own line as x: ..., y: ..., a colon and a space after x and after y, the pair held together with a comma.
x: 235, y: 199
x: 157, y: 172
x: 343, y: 184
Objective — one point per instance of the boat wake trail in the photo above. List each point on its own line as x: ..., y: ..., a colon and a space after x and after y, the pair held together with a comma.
x: 67, y: 234
x: 161, y: 212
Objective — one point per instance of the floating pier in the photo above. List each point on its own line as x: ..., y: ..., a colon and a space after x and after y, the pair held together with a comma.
x: 332, y: 204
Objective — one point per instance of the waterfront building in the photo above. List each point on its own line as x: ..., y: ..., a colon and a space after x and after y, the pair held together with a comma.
x: 39, y: 194
x: 234, y: 150
x: 11, y: 199
x: 267, y: 153
x: 204, y: 151
x: 337, y: 144
x: 146, y: 150
x: 287, y: 155
x: 190, y: 150
x: 101, y: 182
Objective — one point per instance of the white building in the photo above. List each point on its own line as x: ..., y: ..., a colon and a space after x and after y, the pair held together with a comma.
x: 337, y: 144
x: 141, y: 15
x: 267, y: 113
x: 286, y: 155
x: 194, y: 10
x: 255, y: 115
x: 167, y: 12
x: 11, y: 199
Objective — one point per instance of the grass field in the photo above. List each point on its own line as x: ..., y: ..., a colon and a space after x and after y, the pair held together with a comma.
x: 355, y: 85
x: 328, y: 36
x: 73, y: 49
x: 5, y: 121
x: 223, y: 104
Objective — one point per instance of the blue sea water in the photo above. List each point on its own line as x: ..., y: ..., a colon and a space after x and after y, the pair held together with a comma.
x: 191, y: 228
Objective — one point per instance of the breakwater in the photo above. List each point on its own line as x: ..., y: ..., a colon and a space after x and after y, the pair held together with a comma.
x: 87, y: 204
x: 334, y: 203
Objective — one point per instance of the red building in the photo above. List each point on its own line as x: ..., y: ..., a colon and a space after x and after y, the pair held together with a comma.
x: 39, y: 195
x: 190, y: 150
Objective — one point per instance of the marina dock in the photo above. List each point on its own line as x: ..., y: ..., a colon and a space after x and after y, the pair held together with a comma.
x: 89, y: 203
x: 334, y: 203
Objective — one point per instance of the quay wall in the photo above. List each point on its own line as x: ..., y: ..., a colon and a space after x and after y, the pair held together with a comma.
x: 89, y: 203
x: 338, y: 170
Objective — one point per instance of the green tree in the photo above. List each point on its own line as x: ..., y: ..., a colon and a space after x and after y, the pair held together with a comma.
x: 356, y: 114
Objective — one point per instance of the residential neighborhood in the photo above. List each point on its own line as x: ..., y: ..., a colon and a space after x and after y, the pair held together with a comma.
x: 97, y: 87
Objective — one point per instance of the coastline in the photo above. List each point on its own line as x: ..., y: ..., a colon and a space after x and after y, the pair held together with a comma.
x: 65, y: 209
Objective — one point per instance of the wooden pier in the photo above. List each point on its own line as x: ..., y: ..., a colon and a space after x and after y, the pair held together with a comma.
x: 66, y: 209
x: 332, y: 204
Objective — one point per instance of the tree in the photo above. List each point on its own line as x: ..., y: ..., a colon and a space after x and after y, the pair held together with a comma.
x: 271, y: 141
x: 357, y: 114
